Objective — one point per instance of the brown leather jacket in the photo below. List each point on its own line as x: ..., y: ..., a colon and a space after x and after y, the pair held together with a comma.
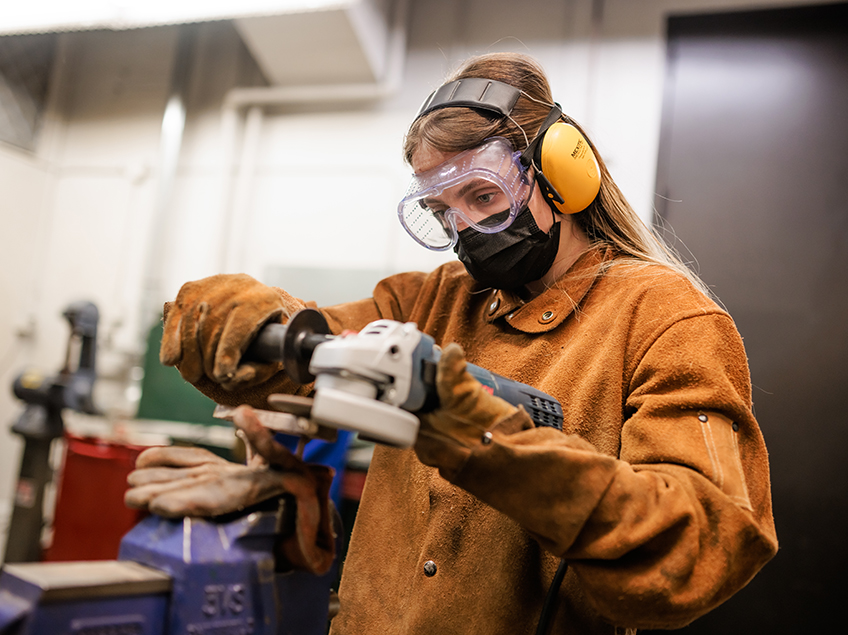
x: 656, y: 493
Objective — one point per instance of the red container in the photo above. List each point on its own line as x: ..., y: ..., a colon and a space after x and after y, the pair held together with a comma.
x: 91, y: 517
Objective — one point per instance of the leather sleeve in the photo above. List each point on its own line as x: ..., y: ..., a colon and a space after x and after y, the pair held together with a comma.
x: 682, y: 518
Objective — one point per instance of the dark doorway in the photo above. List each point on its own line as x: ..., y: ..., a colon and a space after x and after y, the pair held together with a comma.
x: 753, y: 181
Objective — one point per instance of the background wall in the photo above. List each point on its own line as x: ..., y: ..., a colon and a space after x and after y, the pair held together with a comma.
x: 316, y: 187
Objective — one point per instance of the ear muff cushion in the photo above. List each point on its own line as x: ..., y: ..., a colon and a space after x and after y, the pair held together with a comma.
x: 570, y: 166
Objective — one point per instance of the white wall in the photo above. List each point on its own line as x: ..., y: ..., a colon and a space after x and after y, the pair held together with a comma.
x: 323, y: 180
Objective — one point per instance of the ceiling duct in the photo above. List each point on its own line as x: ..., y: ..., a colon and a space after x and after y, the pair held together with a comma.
x: 295, y: 42
x: 344, y: 43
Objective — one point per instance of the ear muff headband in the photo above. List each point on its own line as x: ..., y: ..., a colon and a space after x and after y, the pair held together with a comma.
x: 473, y: 92
x: 566, y: 167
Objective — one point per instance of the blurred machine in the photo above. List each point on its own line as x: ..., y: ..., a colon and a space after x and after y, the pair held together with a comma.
x: 41, y: 423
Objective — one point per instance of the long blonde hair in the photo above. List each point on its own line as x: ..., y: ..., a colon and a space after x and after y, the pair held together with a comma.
x: 609, y: 219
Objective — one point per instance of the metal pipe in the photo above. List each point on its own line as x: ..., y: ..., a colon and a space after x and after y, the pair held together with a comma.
x: 171, y: 137
x: 240, y: 217
x: 238, y: 99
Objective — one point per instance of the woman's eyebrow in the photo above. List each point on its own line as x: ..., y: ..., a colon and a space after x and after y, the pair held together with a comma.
x: 463, y: 190
x: 471, y: 185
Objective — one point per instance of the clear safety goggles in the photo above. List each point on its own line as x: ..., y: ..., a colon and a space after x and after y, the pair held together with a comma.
x: 483, y: 188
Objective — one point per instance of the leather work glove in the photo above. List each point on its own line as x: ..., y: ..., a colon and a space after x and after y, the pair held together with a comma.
x: 466, y: 413
x: 211, y: 323
x: 185, y: 481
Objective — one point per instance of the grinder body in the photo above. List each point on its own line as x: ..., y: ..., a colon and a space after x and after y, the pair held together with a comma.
x: 375, y: 381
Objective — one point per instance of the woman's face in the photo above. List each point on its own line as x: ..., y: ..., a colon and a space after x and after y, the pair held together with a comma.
x: 427, y: 158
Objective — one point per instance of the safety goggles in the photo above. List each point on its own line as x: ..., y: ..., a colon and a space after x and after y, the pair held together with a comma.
x: 483, y: 188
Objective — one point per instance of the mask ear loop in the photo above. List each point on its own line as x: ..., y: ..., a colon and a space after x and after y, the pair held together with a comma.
x: 550, y: 207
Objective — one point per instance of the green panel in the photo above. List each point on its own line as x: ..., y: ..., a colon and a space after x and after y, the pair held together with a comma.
x: 165, y: 395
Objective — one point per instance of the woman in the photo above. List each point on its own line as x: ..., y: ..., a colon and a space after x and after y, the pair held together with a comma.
x: 648, y: 509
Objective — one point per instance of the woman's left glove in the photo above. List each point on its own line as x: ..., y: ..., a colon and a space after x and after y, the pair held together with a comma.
x: 181, y: 481
x: 466, y: 414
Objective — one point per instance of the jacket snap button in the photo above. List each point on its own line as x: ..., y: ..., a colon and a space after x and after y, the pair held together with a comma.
x: 494, y: 305
x: 702, y: 418
x: 487, y: 438
x: 429, y: 568
x: 547, y: 316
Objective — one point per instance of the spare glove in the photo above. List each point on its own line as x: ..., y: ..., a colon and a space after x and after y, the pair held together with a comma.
x: 182, y: 481
x: 212, y: 322
x: 466, y: 412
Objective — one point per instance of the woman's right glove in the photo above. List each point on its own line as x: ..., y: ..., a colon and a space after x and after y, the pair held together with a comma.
x: 212, y: 322
x: 466, y: 417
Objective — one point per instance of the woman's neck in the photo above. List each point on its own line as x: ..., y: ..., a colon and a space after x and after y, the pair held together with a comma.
x: 573, y: 242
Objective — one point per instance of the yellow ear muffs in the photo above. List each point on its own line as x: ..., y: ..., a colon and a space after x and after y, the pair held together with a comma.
x: 571, y: 168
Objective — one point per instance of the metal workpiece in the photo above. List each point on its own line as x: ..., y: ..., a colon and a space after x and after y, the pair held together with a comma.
x: 289, y: 419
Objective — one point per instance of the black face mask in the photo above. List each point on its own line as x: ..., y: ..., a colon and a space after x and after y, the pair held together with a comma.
x: 511, y: 258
